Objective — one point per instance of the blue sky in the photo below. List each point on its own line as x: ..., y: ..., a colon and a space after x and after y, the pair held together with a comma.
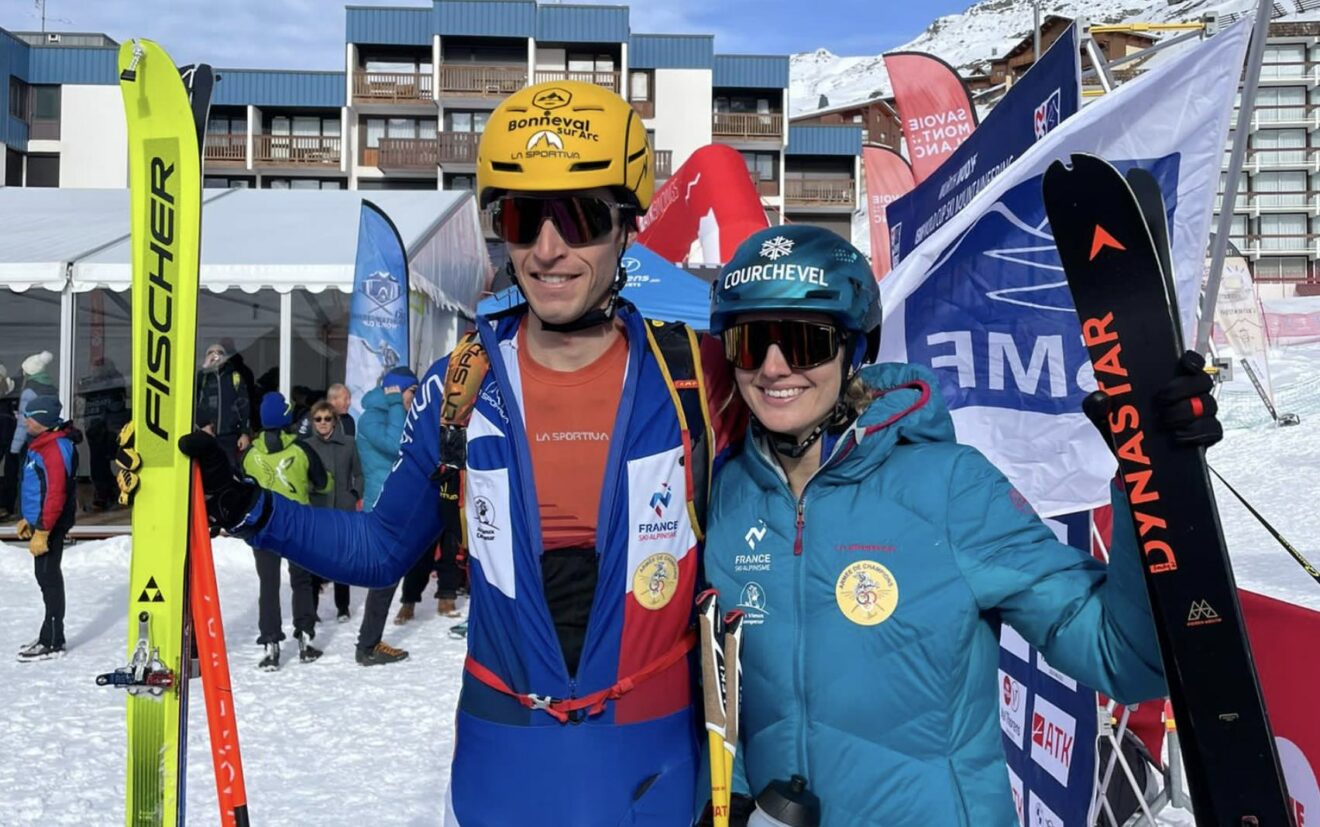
x: 309, y: 34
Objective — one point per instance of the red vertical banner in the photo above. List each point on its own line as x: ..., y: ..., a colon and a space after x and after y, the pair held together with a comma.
x: 888, y: 177
x: 934, y: 105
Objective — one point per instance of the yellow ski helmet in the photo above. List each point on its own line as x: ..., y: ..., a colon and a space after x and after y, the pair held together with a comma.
x: 565, y: 135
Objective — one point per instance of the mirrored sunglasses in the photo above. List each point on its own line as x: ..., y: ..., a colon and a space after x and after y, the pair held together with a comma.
x: 579, y: 219
x: 804, y: 344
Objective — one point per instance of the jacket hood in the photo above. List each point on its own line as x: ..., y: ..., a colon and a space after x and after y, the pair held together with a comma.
x: 65, y: 431
x: 377, y: 399
x: 906, y: 406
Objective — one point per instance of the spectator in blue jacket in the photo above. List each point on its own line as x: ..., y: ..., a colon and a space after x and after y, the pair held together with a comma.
x: 875, y: 558
x: 379, y: 430
x: 48, y: 507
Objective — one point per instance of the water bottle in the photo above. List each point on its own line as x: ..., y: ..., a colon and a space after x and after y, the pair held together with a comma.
x: 786, y: 804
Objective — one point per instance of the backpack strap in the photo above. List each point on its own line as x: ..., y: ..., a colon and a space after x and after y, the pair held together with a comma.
x: 468, y: 364
x: 675, y: 348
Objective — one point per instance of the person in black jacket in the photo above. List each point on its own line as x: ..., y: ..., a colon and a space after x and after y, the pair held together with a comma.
x: 224, y: 400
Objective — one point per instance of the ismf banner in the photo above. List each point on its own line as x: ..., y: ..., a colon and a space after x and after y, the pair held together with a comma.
x: 934, y: 105
x: 1037, y: 103
x: 983, y: 300
x: 888, y: 178
x: 705, y: 210
x: 1048, y: 722
x: 378, y: 312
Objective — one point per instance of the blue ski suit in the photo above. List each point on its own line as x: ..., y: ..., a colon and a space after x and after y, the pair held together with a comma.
x: 633, y: 761
x: 873, y: 606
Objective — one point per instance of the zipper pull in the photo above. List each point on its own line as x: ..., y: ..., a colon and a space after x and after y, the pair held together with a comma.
x: 801, y: 522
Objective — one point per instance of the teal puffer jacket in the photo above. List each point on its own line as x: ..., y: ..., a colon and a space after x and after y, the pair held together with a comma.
x: 870, y: 653
x: 379, y: 430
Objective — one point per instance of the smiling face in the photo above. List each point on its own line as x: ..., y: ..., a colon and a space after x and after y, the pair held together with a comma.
x: 560, y: 281
x: 785, y: 400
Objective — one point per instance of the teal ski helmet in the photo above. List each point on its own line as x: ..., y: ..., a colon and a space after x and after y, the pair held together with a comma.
x: 798, y: 268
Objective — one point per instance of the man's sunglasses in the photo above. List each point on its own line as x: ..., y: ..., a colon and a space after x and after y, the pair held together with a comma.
x: 580, y: 219
x: 804, y: 344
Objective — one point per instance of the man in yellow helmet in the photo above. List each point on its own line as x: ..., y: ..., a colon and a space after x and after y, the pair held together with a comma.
x: 560, y: 427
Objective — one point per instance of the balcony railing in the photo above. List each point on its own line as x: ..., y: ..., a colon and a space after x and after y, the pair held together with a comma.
x: 822, y: 192
x: 1302, y: 244
x: 1283, y: 201
x: 766, y: 187
x: 748, y: 125
x: 225, y: 148
x: 481, y: 81
x: 610, y: 80
x: 645, y: 109
x: 296, y: 150
x: 1295, y: 114
x: 1306, y: 71
x: 407, y: 153
x: 457, y: 147
x: 664, y: 159
x: 392, y: 87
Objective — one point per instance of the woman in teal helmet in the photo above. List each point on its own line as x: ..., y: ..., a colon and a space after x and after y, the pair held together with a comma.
x: 882, y: 557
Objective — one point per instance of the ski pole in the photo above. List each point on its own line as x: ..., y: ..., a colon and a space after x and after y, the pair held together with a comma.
x: 1297, y: 555
x: 732, y: 693
x: 713, y: 693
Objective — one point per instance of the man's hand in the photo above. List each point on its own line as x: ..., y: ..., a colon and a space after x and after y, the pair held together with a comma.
x: 24, y: 529
x: 233, y: 503
x: 244, y: 442
x: 1185, y: 406
x: 40, y: 543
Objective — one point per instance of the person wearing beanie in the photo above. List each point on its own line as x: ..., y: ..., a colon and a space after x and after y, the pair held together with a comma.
x: 279, y: 462
x: 48, y: 508
x: 380, y: 428
x: 224, y: 399
x: 36, y: 382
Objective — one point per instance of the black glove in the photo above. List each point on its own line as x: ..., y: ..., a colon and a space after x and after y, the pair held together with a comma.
x: 1186, y: 407
x: 233, y: 503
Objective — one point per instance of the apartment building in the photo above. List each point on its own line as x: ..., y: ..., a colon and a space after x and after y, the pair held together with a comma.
x: 406, y: 112
x: 1276, y: 214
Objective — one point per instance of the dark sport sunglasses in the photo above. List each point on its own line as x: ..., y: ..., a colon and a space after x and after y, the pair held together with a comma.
x: 580, y: 219
x: 804, y: 344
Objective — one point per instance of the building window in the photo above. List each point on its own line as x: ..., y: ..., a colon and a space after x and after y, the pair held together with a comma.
x: 459, y: 120
x: 460, y: 182
x: 227, y: 125
x: 1281, y: 103
x: 18, y: 99
x: 306, y: 126
x: 378, y: 128
x: 45, y: 123
x: 589, y: 62
x: 302, y: 183
x: 43, y: 171
x: 398, y: 66
x: 764, y: 166
x: 1281, y: 268
x: 1283, y: 232
x: 639, y: 86
x: 222, y: 182
x: 13, y: 168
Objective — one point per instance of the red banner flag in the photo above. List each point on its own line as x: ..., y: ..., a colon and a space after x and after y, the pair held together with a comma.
x: 710, y: 201
x: 935, y: 106
x: 888, y: 176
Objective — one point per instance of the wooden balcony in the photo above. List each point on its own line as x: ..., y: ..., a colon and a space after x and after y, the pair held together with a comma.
x: 819, y: 192
x: 748, y: 126
x: 645, y: 109
x: 766, y: 187
x: 610, y: 80
x: 296, y: 150
x: 664, y: 159
x: 468, y: 81
x: 457, y: 147
x: 407, y: 154
x: 392, y: 87
x: 223, y: 149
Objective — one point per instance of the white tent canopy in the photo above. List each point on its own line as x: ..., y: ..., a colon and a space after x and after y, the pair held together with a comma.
x: 251, y: 239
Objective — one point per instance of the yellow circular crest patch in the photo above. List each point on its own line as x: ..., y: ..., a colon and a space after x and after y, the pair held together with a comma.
x: 867, y: 593
x: 656, y: 581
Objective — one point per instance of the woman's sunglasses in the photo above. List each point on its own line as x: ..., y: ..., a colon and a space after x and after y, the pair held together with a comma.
x: 323, y: 419
x: 804, y: 344
x: 580, y: 219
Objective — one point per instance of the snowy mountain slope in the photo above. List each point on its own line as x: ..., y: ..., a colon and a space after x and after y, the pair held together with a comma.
x: 987, y: 29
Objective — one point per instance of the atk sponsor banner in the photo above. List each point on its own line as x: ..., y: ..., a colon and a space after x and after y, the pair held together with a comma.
x: 1053, y: 736
x: 934, y: 105
x: 888, y: 178
x: 705, y: 210
x: 1047, y: 95
x: 983, y: 299
x: 378, y: 311
x: 1284, y: 638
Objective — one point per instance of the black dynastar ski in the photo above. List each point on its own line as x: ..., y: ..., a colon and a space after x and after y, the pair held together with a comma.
x: 1128, y: 319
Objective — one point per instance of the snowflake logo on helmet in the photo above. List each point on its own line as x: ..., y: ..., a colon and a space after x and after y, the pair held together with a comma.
x: 776, y: 248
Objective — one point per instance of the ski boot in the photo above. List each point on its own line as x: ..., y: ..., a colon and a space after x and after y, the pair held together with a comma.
x: 306, y: 651
x: 39, y: 651
x: 270, y: 661
x: 405, y: 614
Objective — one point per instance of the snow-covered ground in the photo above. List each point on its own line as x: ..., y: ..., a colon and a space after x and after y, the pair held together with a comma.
x: 333, y: 743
